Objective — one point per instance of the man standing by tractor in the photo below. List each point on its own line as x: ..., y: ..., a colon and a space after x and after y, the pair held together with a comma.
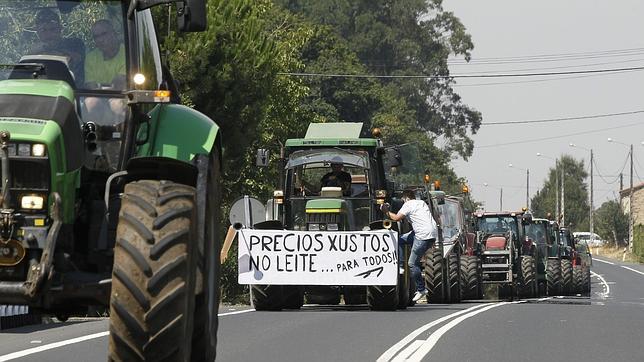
x: 422, y: 237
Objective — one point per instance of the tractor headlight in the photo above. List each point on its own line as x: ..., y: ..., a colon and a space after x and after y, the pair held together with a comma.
x: 32, y: 202
x: 11, y: 149
x: 314, y: 227
x: 24, y: 150
x: 38, y: 150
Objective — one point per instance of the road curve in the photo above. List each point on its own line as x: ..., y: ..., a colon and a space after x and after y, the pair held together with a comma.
x: 605, y: 327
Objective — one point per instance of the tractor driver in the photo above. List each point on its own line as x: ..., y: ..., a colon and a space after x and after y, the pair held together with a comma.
x: 500, y: 228
x: 337, y: 177
x: 105, y: 65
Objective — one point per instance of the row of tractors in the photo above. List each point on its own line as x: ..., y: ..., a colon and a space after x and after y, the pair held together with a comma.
x: 524, y: 256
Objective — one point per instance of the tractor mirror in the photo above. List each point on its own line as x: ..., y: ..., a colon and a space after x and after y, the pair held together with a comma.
x: 262, y: 157
x: 394, y: 158
x: 191, y: 15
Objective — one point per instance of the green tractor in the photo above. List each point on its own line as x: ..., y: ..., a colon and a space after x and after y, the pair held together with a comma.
x: 110, y: 188
x: 312, y: 199
x: 545, y: 234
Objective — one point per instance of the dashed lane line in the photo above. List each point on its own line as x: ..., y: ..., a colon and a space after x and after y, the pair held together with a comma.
x: 235, y: 312
x: 396, y: 348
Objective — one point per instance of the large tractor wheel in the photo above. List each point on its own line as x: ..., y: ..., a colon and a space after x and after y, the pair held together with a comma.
x: 578, y: 279
x: 434, y: 276
x: 566, y: 277
x: 382, y: 297
x: 470, y: 278
x: 152, y: 300
x: 404, y: 285
x: 293, y: 296
x: 454, y: 278
x: 586, y: 282
x: 527, y: 278
x: 204, y: 335
x: 553, y: 277
x: 266, y: 297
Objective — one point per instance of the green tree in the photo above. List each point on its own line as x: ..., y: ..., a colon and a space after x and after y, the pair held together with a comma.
x: 611, y: 223
x: 577, y: 210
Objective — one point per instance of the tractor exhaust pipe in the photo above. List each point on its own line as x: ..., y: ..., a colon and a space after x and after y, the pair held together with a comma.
x: 5, y: 136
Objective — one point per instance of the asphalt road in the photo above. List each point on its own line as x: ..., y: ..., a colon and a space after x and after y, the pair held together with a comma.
x: 607, y: 326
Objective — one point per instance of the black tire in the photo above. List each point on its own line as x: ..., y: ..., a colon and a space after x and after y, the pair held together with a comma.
x: 382, y: 297
x: 586, y: 280
x: 566, y: 277
x: 266, y: 297
x: 553, y: 277
x: 355, y: 295
x: 434, y: 276
x: 454, y: 278
x: 204, y: 335
x: 152, y: 298
x: 292, y: 296
x: 578, y: 279
x: 527, y: 283
x: 470, y: 277
x: 403, y: 291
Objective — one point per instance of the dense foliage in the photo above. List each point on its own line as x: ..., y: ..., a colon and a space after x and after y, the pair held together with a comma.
x: 235, y: 73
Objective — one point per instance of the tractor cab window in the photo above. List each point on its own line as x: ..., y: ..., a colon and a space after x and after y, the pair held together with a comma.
x: 499, y: 225
x: 149, y: 56
x: 537, y: 232
x: 450, y: 218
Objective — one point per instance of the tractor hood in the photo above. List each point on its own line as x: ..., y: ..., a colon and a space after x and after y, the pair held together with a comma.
x: 324, y: 205
x: 27, y: 105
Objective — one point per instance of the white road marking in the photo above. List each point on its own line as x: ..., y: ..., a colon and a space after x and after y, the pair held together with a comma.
x: 543, y: 299
x: 405, y: 353
x: 633, y: 270
x: 26, y: 352
x: 607, y: 287
x: 429, y: 344
x: 235, y: 312
x: 393, y: 350
x: 603, y: 261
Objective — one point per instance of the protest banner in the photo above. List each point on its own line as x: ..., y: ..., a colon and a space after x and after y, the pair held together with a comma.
x: 318, y: 258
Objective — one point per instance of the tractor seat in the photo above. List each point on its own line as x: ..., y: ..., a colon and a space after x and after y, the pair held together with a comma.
x: 495, y: 243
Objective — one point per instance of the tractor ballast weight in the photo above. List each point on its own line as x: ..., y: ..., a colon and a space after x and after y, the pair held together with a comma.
x: 109, y: 186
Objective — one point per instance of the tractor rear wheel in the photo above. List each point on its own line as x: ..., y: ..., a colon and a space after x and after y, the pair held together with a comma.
x: 527, y: 278
x: 434, y: 276
x: 382, y: 297
x: 566, y: 277
x: 553, y: 277
x: 578, y: 279
x: 266, y: 297
x: 586, y: 278
x: 454, y: 273
x: 470, y: 279
x: 152, y: 299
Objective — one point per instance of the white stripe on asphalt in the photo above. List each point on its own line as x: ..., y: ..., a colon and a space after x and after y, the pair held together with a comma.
x: 601, y: 278
x: 393, y: 350
x: 633, y: 270
x: 603, y: 261
x: 434, y: 337
x: 405, y: 353
x: 236, y: 312
x: 19, y: 354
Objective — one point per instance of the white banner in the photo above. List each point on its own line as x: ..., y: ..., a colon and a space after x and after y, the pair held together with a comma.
x: 318, y: 258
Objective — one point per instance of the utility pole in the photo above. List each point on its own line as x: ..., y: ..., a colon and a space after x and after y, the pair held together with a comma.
x: 630, y: 208
x: 621, y: 181
x: 501, y: 200
x: 527, y: 188
x: 592, y: 235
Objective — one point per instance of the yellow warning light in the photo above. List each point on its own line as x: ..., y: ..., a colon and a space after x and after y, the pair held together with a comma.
x: 376, y: 132
x: 426, y: 179
x: 437, y: 185
x: 466, y: 189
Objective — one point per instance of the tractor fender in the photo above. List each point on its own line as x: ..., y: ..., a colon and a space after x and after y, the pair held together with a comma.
x: 178, y: 132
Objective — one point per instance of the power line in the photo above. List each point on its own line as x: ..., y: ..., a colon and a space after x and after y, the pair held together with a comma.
x: 506, y: 75
x: 547, y: 57
x: 560, y: 67
x: 553, y: 79
x: 560, y: 119
x: 559, y: 136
